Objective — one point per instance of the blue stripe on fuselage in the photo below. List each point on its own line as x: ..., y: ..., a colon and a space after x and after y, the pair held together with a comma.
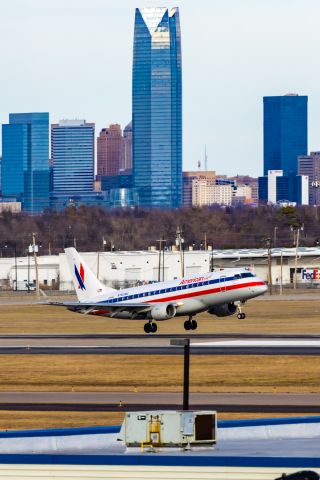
x: 162, y: 291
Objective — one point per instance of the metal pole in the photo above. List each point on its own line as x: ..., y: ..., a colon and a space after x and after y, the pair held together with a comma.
x: 36, y: 264
x: 182, y: 265
x: 270, y: 269
x: 275, y: 237
x: 163, y: 262
x: 159, y: 260
x: 186, y: 369
x: 15, y: 265
x: 296, y: 259
x: 281, y: 273
x: 268, y: 240
x: 179, y: 241
x: 185, y: 342
x: 28, y: 271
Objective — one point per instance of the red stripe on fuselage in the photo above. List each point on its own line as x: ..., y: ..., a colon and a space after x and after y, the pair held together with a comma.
x: 207, y: 292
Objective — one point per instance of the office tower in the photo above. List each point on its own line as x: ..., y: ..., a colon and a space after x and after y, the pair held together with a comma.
x: 109, y: 148
x: 157, y: 107
x: 126, y: 151
x: 276, y: 187
x: 310, y: 165
x: 25, y: 160
x: 285, y: 132
x: 72, y: 150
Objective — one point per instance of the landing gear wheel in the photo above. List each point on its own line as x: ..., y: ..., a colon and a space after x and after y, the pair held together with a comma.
x: 150, y: 327
x: 146, y: 328
x: 187, y: 325
x: 241, y: 316
x: 190, y: 324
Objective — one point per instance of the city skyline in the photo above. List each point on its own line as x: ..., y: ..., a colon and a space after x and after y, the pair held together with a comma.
x: 226, y: 73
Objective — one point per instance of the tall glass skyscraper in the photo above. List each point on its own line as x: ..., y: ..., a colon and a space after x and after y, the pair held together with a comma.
x: 25, y: 160
x: 285, y: 132
x: 72, y: 150
x: 157, y: 107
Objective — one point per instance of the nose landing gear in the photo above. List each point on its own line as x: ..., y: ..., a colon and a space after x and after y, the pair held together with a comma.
x: 190, y: 324
x: 150, y: 327
x: 241, y: 315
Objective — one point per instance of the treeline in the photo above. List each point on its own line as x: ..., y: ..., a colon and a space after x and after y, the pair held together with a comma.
x: 95, y: 229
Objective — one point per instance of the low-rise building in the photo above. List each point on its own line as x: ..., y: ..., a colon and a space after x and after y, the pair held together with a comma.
x: 13, y: 207
x: 121, y: 269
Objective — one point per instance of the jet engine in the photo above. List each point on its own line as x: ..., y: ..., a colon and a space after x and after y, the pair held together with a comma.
x: 223, y: 310
x: 163, y: 312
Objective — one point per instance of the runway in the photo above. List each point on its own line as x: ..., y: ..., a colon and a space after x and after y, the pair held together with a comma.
x: 114, y: 344
x: 127, y: 401
x: 211, y: 350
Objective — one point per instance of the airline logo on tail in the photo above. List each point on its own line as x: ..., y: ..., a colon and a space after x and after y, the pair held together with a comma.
x: 80, y: 276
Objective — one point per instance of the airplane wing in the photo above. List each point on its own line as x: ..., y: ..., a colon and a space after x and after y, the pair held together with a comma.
x: 113, y: 307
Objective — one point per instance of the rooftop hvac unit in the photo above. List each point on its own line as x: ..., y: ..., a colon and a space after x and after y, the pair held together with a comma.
x: 169, y: 428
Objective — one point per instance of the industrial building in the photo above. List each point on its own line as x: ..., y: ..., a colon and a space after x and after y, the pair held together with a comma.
x: 122, y: 269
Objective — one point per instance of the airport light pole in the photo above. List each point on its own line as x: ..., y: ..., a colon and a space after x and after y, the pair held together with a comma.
x: 268, y: 245
x: 275, y: 237
x: 179, y: 243
x: 15, y: 262
x: 185, y: 343
x: 296, y: 231
x: 35, y: 250
x: 161, y: 251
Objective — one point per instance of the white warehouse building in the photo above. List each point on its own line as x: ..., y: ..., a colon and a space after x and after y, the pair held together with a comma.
x: 120, y: 269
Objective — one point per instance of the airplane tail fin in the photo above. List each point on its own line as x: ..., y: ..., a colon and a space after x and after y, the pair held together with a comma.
x: 86, y: 284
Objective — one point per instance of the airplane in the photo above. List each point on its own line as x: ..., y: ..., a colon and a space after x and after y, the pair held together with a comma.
x: 219, y: 293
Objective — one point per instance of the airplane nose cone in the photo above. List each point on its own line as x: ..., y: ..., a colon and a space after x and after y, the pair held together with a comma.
x: 263, y: 288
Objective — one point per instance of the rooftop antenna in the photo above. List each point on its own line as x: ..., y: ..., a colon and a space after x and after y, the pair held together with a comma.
x: 199, y: 164
x: 205, y: 158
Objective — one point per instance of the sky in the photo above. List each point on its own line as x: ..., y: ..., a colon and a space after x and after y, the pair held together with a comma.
x: 73, y: 58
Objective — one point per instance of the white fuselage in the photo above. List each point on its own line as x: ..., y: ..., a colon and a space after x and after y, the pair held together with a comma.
x: 190, y: 295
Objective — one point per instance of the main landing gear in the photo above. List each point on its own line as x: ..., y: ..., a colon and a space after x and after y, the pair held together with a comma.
x: 150, y: 327
x: 241, y: 315
x: 190, y: 324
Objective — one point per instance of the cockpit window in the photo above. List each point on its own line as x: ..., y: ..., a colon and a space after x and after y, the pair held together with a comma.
x: 237, y: 276
x: 247, y: 275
